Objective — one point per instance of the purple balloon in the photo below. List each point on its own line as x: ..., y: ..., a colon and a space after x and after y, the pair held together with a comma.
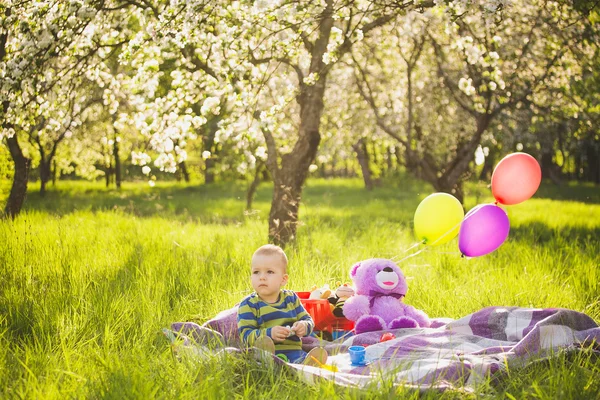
x: 483, y: 230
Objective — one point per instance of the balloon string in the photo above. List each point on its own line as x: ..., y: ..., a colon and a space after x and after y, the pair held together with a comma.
x: 460, y: 223
x: 410, y: 248
x: 420, y: 243
x: 411, y: 255
x: 448, y: 231
x: 424, y: 248
x: 435, y: 241
x: 413, y: 246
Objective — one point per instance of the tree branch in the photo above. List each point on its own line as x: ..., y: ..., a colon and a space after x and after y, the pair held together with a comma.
x: 143, y: 4
x: 4, y: 37
x: 188, y: 52
x: 36, y: 128
x: 272, y: 153
x: 371, y: 101
x: 452, y: 86
x: 283, y: 60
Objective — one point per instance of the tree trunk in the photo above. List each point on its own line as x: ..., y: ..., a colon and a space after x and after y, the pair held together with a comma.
x: 453, y: 188
x: 577, y: 164
x: 184, y: 171
x: 375, y: 155
x: 488, y: 164
x: 410, y: 157
x: 322, y: 170
x: 289, y: 179
x: 593, y: 161
x: 546, y: 163
x: 390, y: 156
x: 283, y: 217
x: 117, y: 163
x: 330, y: 168
x: 54, y: 173
x: 549, y: 168
x: 208, y: 144
x: 209, y: 171
x: 253, y: 186
x: 360, y: 148
x: 44, y: 175
x: 398, y: 154
x: 108, y: 174
x: 266, y: 177
x: 18, y: 191
x: 455, y: 170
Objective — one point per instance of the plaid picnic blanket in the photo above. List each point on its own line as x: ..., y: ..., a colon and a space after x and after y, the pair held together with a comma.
x: 454, y: 354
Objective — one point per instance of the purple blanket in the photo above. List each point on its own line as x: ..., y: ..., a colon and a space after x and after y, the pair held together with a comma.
x: 455, y: 354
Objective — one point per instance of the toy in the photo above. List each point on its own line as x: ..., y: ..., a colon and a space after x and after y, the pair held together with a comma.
x: 377, y: 304
x: 319, y: 293
x: 387, y: 336
x: 339, y: 297
x: 328, y: 367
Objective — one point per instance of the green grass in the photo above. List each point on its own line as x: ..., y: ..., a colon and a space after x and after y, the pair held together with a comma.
x: 88, y: 276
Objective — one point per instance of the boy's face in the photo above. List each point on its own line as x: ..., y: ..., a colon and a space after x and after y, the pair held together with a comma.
x: 268, y: 276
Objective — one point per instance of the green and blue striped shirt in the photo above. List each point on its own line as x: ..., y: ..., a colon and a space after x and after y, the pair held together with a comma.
x: 256, y: 318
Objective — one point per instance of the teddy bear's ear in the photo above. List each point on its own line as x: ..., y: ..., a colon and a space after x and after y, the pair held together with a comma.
x: 353, y: 270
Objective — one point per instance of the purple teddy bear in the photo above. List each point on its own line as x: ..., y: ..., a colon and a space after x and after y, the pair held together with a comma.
x: 377, y: 304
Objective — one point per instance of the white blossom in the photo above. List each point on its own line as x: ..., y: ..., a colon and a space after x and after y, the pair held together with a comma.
x: 242, y: 168
x: 211, y: 105
x: 312, y: 78
x: 479, y: 156
x: 168, y: 145
x: 140, y: 158
x: 261, y: 152
x: 466, y: 86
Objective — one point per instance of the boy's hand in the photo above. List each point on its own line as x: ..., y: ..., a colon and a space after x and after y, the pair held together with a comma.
x: 279, y: 333
x: 299, y: 328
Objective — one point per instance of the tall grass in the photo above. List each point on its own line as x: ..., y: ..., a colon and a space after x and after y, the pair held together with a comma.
x: 89, y: 276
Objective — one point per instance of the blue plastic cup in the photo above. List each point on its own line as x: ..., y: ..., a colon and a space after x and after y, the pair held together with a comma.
x: 357, y: 355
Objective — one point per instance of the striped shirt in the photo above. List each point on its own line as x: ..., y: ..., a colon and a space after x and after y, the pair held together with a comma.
x: 256, y: 318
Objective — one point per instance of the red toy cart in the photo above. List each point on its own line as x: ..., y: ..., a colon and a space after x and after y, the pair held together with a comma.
x: 325, y: 321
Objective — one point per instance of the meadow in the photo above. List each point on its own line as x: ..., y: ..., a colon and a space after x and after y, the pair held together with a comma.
x: 89, y: 276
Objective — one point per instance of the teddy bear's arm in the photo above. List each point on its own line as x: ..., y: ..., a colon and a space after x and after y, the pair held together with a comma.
x: 356, y: 306
x: 418, y: 315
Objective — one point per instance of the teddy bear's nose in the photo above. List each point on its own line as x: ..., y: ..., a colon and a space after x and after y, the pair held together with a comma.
x: 388, y: 269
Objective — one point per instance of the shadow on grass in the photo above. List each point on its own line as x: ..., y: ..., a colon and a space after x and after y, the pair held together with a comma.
x: 224, y: 203
x: 571, y: 191
x: 538, y: 233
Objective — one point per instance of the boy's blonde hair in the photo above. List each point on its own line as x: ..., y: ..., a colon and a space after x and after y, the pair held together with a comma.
x: 272, y: 250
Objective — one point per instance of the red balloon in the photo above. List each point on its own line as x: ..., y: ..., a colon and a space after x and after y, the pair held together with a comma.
x: 516, y: 178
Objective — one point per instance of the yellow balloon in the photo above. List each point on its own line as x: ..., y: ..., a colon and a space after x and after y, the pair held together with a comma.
x: 438, y: 218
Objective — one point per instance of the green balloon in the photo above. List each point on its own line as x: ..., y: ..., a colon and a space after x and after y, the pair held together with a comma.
x: 438, y: 218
